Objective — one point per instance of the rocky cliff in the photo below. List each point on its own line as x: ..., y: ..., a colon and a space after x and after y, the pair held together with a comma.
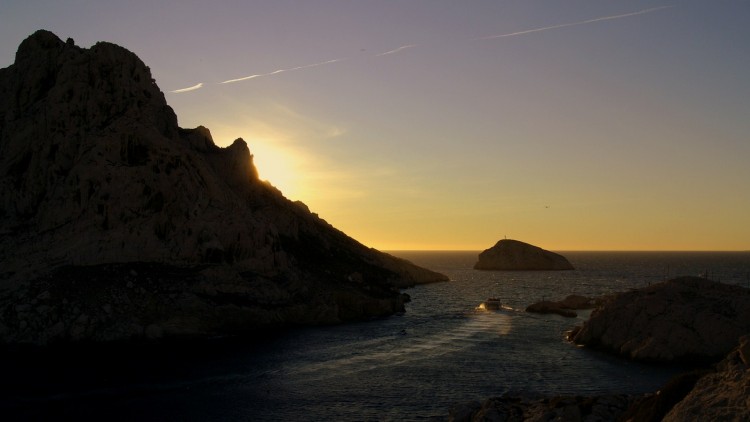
x: 116, y: 223
x: 686, y: 319
x: 720, y: 396
x: 513, y: 255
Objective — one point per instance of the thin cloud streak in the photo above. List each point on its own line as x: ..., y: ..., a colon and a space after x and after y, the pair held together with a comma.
x: 408, y: 46
x: 564, y: 25
x: 276, y: 72
x: 394, y: 51
x: 188, y: 89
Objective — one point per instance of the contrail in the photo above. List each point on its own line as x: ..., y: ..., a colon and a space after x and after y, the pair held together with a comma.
x: 407, y: 46
x: 403, y: 47
x: 192, y: 88
x: 564, y: 25
x: 275, y: 72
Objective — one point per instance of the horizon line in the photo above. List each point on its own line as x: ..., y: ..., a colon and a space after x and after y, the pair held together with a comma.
x: 575, y: 250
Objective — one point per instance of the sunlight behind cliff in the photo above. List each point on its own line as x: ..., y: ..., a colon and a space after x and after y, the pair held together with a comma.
x: 286, y: 145
x: 278, y: 166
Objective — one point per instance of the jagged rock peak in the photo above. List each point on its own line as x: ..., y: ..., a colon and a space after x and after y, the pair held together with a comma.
x: 38, y: 42
x: 514, y: 255
x: 101, y: 85
x: 62, y: 106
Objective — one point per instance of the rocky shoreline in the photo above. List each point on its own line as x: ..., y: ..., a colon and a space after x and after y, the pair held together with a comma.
x: 688, y: 320
x: 153, y: 301
x: 529, y: 408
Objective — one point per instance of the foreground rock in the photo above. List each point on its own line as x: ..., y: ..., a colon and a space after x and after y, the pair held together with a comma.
x: 566, y: 307
x: 654, y: 406
x: 718, y: 394
x: 686, y: 319
x: 116, y: 224
x: 721, y: 396
x: 533, y: 409
x: 512, y: 255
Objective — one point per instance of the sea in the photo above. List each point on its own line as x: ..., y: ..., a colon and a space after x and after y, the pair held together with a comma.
x: 412, y: 366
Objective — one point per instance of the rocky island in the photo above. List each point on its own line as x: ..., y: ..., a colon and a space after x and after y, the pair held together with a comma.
x: 117, y: 224
x: 514, y: 255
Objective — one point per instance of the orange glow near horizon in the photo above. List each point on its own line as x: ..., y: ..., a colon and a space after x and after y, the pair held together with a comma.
x: 381, y: 210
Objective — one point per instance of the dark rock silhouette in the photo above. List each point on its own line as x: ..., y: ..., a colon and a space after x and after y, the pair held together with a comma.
x: 513, y: 255
x: 689, y: 319
x: 115, y: 223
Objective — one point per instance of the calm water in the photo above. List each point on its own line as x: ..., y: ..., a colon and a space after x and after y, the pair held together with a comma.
x: 408, y: 367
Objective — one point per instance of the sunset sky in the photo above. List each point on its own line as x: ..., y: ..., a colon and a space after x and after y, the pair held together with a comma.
x: 426, y: 124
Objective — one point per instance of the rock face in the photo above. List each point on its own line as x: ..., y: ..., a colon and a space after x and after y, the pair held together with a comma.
x: 116, y: 223
x: 512, y: 255
x: 654, y: 406
x: 721, y: 396
x: 685, y: 319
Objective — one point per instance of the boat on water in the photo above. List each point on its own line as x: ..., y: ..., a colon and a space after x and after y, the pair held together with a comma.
x: 493, y: 304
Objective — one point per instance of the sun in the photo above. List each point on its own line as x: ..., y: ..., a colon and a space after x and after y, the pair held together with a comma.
x: 276, y: 158
x: 277, y: 165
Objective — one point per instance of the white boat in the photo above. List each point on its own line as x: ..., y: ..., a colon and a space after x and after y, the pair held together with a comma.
x: 491, y: 304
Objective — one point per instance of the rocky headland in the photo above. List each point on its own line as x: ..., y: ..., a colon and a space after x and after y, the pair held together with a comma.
x: 117, y: 224
x: 687, y: 319
x: 513, y: 255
